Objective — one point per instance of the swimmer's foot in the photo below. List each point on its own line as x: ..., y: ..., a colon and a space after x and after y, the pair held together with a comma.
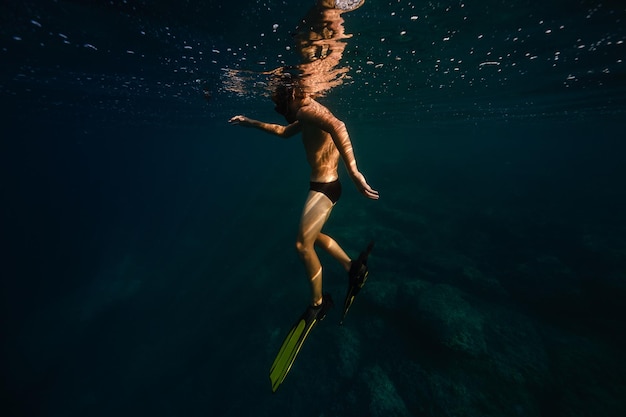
x: 319, y: 312
x: 356, y: 278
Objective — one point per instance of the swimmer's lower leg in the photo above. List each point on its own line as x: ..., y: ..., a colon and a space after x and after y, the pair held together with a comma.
x: 316, y: 287
x: 313, y: 269
x: 332, y: 247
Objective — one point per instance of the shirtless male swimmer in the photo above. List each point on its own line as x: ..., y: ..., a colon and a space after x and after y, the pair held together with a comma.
x: 325, y: 140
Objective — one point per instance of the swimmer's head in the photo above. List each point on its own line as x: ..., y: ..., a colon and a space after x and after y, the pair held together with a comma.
x: 283, y: 96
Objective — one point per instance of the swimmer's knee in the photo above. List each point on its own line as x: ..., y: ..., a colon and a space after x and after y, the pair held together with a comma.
x: 302, y: 247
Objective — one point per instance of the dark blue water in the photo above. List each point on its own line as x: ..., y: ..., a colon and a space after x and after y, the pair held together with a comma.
x: 148, y: 247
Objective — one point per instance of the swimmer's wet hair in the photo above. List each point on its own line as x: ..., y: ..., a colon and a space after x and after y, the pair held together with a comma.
x: 283, y: 96
x: 284, y: 90
x: 283, y: 93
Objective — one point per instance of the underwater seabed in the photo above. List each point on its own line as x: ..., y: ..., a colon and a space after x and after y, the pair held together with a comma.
x: 440, y: 332
x: 500, y: 299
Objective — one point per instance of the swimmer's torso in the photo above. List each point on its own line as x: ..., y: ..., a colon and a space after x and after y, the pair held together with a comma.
x: 321, y: 153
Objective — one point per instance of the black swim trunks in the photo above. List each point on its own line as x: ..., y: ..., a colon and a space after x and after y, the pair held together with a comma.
x: 332, y: 189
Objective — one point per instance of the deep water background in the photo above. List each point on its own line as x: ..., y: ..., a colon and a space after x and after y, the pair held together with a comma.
x: 148, y: 247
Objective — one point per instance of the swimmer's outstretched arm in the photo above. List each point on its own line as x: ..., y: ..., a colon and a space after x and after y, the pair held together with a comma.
x: 274, y: 129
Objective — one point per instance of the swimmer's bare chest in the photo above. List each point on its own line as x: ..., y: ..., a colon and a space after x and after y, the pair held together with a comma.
x: 321, y: 153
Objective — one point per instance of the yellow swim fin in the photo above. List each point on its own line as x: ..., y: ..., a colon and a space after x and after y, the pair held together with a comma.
x: 295, y: 339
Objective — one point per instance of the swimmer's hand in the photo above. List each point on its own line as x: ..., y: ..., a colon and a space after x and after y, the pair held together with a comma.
x: 240, y: 120
x: 363, y: 187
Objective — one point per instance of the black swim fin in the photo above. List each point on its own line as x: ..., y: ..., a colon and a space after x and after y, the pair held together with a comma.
x: 295, y: 339
x: 356, y: 279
